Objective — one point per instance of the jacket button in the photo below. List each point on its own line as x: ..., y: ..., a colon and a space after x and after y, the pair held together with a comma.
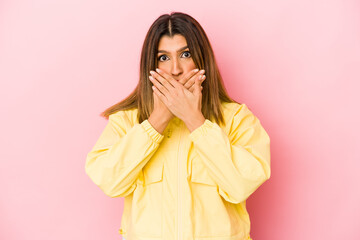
x: 169, y: 133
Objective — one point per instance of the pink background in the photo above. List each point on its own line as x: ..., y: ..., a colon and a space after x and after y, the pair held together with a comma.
x: 294, y: 63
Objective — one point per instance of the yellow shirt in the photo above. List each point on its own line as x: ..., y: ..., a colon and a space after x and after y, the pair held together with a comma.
x: 180, y: 185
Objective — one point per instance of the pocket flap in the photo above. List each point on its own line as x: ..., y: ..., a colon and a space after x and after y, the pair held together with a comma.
x: 199, y: 173
x: 153, y: 171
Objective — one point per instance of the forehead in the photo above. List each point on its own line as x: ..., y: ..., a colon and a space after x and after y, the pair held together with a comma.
x: 172, y: 44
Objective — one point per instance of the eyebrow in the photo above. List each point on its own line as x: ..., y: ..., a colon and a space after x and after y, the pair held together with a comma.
x: 163, y: 51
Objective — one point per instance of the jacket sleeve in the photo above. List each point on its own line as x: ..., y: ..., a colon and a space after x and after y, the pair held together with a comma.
x: 120, y: 153
x: 239, y: 162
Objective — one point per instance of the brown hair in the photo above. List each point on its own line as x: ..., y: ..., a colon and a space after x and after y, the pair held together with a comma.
x: 213, y: 92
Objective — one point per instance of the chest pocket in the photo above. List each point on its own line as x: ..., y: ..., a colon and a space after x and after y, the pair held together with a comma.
x: 199, y: 172
x: 153, y: 171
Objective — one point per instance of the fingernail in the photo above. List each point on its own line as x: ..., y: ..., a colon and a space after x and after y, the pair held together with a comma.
x: 152, y: 72
x: 203, y: 77
x: 202, y: 71
x: 158, y: 70
x: 196, y: 70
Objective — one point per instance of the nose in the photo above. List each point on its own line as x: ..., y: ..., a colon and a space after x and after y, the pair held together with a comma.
x: 176, y: 69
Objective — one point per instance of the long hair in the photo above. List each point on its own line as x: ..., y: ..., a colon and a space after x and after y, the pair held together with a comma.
x: 213, y: 92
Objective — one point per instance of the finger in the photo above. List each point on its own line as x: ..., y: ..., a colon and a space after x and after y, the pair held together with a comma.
x: 191, y: 81
x: 166, y: 76
x: 188, y: 76
x: 197, y: 87
x: 203, y: 77
x: 156, y: 98
x: 159, y: 86
x: 187, y: 82
x: 159, y: 94
x: 191, y: 89
x: 161, y: 80
x: 167, y: 80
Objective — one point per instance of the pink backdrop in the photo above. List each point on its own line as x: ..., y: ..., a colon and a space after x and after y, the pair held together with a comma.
x: 294, y: 63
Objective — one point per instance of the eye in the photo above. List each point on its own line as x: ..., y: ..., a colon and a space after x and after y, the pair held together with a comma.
x: 187, y: 53
x: 161, y: 59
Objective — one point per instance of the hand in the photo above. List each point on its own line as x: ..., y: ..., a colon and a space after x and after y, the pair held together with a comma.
x: 178, y: 99
x: 160, y: 109
x: 188, y: 81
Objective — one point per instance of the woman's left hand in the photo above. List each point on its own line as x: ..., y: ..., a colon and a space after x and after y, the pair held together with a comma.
x: 180, y: 101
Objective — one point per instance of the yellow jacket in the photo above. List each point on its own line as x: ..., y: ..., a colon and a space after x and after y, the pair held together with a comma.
x: 180, y: 185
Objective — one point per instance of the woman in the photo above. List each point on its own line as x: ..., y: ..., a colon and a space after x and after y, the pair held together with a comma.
x: 182, y: 153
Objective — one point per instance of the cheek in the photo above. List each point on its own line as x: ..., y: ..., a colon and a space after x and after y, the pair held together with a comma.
x: 163, y: 66
x: 190, y: 65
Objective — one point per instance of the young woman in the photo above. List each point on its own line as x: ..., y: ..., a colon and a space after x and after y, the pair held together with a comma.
x: 181, y: 152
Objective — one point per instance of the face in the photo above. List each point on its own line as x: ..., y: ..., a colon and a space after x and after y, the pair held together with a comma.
x: 174, y: 56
